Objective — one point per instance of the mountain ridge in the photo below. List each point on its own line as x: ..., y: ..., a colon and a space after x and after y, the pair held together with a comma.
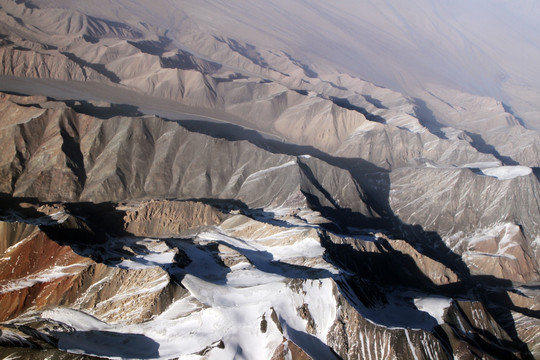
x: 174, y: 187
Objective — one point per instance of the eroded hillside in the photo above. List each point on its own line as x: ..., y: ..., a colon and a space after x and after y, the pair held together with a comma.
x: 179, y: 193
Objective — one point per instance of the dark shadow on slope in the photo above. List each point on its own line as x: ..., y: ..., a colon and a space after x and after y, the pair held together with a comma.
x: 310, y: 344
x: 392, y: 311
x: 74, y: 157
x: 245, y: 49
x: 444, y: 341
x: 479, y: 144
x: 21, y: 48
x: 100, y: 215
x: 301, y: 92
x: 335, y: 86
x: 99, y: 68
x: 492, y: 292
x: 493, y: 298
x: 307, y: 70
x: 118, y: 27
x: 430, y: 244
x: 228, y: 206
x: 338, y: 219
x: 306, y: 170
x: 103, y: 111
x: 72, y: 230
x: 152, y: 47
x: 184, y: 60
x: 248, y: 51
x: 375, y: 102
x: 495, y: 292
x: 536, y: 172
x: 200, y: 260
x: 428, y: 119
x: 264, y: 261
x: 230, y: 78
x: 232, y: 132
x: 344, y: 220
x: 387, y: 266
x: 5, y: 42
x: 90, y: 39
x: 346, y: 104
x: 478, y: 338
x: 224, y: 205
x: 11, y: 207
x: 109, y: 343
x: 509, y: 110
x: 27, y: 4
x: 87, y: 224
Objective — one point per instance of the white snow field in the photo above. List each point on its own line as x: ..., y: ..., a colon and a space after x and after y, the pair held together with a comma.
x: 507, y: 172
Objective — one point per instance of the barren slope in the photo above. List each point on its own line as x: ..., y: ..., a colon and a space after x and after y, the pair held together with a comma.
x: 216, y: 179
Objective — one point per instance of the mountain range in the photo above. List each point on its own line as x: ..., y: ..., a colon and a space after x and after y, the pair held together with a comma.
x: 269, y: 180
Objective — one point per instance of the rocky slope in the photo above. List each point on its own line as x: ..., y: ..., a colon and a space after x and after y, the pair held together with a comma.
x: 268, y: 276
x: 53, y: 153
x: 329, y: 113
x: 274, y: 209
x: 270, y: 222
x: 225, y: 72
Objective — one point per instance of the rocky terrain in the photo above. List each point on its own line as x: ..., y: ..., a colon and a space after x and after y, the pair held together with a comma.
x: 171, y: 191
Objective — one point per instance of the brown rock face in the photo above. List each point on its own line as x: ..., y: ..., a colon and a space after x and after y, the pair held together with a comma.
x: 354, y: 337
x: 469, y: 330
x: 289, y: 350
x: 37, y: 273
x: 11, y: 232
x: 503, y: 252
x: 111, y: 294
x: 75, y: 157
x: 438, y: 273
x: 167, y: 218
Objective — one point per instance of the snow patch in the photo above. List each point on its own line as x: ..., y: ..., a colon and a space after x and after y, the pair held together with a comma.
x: 507, y: 172
x: 434, y: 305
x: 262, y: 173
x: 483, y: 165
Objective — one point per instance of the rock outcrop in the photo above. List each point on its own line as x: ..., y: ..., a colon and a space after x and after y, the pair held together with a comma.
x: 274, y: 209
x: 169, y: 218
x: 38, y: 273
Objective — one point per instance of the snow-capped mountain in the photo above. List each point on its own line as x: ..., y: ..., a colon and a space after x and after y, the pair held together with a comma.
x: 269, y: 180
